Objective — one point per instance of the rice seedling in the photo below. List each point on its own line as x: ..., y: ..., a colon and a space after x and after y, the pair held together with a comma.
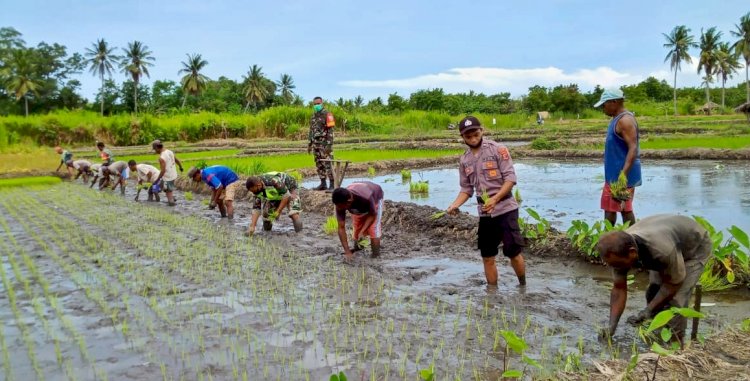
x: 419, y: 187
x: 405, y: 174
x: 331, y: 226
x: 619, y: 188
x: 371, y: 171
x: 189, y: 196
x: 437, y: 215
x: 517, y: 195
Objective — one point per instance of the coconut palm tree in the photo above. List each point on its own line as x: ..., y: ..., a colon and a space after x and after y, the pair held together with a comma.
x: 22, y: 79
x: 101, y: 58
x: 679, y: 42
x: 193, y: 82
x: 135, y: 63
x: 727, y: 63
x: 255, y: 89
x: 742, y: 46
x: 707, y: 63
x: 286, y: 85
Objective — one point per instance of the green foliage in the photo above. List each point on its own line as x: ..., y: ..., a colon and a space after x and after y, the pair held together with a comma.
x: 517, y: 196
x: 331, y: 226
x: 419, y: 187
x: 745, y: 326
x: 427, y: 374
x: 338, y: 377
x: 584, y: 237
x: 255, y: 167
x: 539, y: 229
x: 189, y: 196
x: 619, y: 188
x: 437, y: 215
x: 731, y: 254
x: 405, y: 174
x: 29, y: 181
x: 543, y: 143
x: 295, y: 175
x: 371, y: 171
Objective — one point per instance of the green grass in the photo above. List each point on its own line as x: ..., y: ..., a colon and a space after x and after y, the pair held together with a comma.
x: 29, y: 181
x: 296, y: 161
x: 187, y: 156
x: 727, y: 142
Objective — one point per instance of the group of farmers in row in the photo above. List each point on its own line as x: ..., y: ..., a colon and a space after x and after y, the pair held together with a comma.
x: 674, y: 249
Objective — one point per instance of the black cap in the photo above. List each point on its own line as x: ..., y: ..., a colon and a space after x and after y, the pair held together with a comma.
x: 468, y: 124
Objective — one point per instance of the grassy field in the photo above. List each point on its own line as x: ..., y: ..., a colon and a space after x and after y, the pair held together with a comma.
x: 29, y: 181
x: 679, y: 142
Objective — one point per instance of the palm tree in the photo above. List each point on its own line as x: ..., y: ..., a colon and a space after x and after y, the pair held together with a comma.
x: 255, y: 89
x: 135, y: 63
x: 707, y: 62
x: 286, y: 85
x: 358, y: 102
x: 727, y: 63
x: 679, y: 41
x: 193, y: 82
x: 100, y: 58
x: 742, y: 46
x: 22, y: 76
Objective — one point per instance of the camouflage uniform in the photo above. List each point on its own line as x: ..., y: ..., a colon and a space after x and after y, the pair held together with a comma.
x: 321, y: 139
x: 275, y: 186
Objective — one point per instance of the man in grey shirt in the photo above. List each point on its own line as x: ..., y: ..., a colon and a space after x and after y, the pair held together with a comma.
x: 120, y: 171
x: 673, y: 248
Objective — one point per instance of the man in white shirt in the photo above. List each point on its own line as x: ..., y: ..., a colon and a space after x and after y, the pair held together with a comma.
x: 168, y: 173
x: 146, y: 175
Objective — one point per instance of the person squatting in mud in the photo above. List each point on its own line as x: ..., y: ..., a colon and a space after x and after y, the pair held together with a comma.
x: 487, y: 168
x: 223, y: 183
x: 146, y: 175
x: 321, y: 143
x: 364, y: 200
x: 673, y: 248
x: 621, y: 154
x: 274, y: 192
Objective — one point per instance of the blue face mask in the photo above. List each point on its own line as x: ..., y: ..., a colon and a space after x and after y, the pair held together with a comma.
x: 317, y: 107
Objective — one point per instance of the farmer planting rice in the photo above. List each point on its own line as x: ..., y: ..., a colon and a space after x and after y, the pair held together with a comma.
x: 146, y: 175
x: 82, y: 166
x: 223, y: 183
x: 673, y: 248
x: 121, y: 173
x: 487, y: 167
x: 65, y: 156
x: 168, y: 164
x: 364, y: 200
x: 274, y: 192
x: 105, y: 154
x: 98, y: 171
x: 621, y: 154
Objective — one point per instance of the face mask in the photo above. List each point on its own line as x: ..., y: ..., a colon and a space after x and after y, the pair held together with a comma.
x: 317, y: 107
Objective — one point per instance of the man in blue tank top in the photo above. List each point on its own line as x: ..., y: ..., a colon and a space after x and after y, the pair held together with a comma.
x: 621, y: 154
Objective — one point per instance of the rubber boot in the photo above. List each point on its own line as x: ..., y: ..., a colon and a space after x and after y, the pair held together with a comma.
x: 330, y: 186
x: 322, y: 185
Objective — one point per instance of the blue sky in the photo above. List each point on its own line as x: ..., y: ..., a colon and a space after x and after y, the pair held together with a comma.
x: 347, y: 48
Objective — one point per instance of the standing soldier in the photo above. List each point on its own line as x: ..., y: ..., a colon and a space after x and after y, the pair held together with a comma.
x: 321, y: 142
x: 487, y: 169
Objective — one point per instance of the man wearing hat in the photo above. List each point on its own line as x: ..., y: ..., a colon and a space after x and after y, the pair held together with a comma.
x: 487, y: 168
x: 168, y: 172
x: 621, y: 154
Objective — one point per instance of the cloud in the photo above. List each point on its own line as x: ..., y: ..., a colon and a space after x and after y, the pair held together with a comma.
x: 518, y: 81
x: 494, y: 80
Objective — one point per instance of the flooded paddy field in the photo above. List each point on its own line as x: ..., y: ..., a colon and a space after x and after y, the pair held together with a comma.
x: 97, y: 286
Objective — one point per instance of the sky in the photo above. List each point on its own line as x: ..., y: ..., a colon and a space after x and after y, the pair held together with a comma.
x: 348, y: 48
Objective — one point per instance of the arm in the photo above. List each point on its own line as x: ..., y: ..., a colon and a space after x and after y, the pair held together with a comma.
x: 460, y: 200
x: 666, y: 292
x: 253, y: 222
x: 59, y: 166
x: 341, y: 218
x: 627, y: 130
x: 369, y: 220
x: 179, y: 163
x: 216, y: 194
x: 467, y: 190
x: 489, y: 206
x: 617, y: 299
x: 162, y: 167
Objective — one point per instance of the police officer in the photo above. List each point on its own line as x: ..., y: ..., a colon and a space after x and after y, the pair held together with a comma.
x: 321, y: 142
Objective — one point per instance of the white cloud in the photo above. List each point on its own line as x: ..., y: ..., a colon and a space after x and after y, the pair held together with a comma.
x: 493, y: 80
x: 518, y: 81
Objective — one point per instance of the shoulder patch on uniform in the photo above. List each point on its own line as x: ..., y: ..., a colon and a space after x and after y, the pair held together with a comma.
x: 504, y: 153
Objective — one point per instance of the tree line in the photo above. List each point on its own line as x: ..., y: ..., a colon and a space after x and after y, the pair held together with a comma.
x: 40, y: 79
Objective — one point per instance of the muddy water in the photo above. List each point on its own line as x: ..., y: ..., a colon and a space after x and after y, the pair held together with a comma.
x: 566, y: 191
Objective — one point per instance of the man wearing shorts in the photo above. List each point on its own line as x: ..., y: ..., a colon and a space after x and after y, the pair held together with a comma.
x: 120, y: 171
x: 621, y: 154
x: 83, y: 167
x: 364, y: 200
x: 673, y: 248
x: 223, y: 182
x: 486, y: 167
x: 146, y: 174
x: 168, y: 171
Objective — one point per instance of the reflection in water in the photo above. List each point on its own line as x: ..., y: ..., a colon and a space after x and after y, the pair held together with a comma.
x: 566, y: 191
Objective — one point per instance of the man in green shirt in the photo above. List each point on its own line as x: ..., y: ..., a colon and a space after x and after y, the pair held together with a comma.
x: 65, y: 156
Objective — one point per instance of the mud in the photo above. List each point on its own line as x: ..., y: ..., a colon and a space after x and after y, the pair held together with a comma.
x: 300, y: 312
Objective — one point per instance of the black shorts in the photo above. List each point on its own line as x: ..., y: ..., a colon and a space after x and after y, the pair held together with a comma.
x: 503, y: 228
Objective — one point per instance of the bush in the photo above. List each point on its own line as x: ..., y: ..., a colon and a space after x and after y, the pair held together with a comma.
x: 543, y: 143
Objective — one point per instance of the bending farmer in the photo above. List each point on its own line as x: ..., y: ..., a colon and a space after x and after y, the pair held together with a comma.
x: 673, y: 248
x: 274, y: 192
x: 146, y: 174
x: 364, y: 200
x: 224, y: 184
